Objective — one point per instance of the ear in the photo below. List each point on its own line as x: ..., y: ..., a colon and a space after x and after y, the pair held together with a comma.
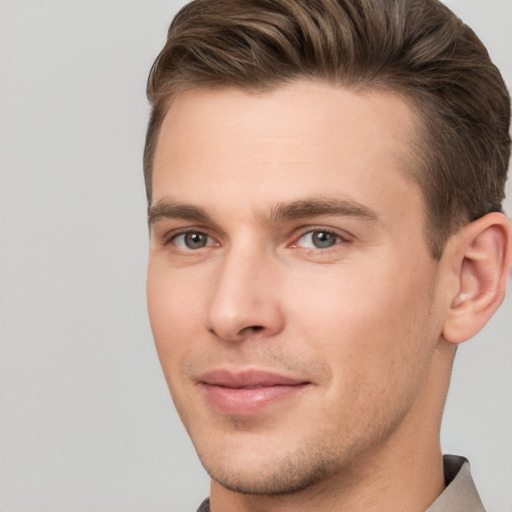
x: 481, y: 258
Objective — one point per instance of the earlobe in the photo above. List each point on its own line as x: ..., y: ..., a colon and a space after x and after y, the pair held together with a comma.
x: 482, y: 258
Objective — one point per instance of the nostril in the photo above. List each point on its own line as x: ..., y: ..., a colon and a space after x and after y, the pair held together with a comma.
x: 256, y: 328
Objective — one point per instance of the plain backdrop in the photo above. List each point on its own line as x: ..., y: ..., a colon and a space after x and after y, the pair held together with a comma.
x: 86, y: 421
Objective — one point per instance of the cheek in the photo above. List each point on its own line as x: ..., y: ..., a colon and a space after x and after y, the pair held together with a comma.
x: 175, y: 321
x: 374, y: 326
x: 174, y: 313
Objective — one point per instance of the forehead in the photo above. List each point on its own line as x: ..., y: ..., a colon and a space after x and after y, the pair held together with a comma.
x: 300, y: 139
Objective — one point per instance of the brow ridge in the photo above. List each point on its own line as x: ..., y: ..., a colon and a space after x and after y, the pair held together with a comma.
x: 166, y: 209
x: 302, y: 208
x: 318, y: 206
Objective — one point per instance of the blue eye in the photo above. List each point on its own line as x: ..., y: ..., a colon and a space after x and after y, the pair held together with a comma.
x: 318, y: 239
x: 192, y: 240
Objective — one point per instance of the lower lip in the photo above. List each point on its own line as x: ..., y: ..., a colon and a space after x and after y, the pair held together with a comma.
x: 243, y: 402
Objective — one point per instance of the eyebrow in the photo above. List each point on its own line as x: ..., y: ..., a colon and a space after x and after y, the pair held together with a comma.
x: 172, y: 210
x: 315, y: 207
x: 303, y: 208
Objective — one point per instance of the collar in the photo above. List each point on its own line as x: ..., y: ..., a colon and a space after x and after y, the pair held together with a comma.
x: 460, y: 494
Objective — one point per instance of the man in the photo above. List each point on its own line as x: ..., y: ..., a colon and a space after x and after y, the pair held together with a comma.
x: 325, y: 182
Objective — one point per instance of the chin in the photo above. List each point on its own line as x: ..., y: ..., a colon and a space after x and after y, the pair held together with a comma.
x: 273, y: 476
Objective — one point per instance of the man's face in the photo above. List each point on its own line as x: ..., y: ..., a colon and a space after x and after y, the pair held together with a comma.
x: 290, y: 289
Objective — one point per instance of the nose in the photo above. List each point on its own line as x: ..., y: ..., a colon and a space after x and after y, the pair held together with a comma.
x: 245, y: 299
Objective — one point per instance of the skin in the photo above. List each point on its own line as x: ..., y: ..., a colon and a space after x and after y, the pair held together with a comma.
x: 360, y: 321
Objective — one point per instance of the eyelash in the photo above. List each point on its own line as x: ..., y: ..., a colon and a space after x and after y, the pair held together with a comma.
x: 171, y: 240
x: 340, y: 239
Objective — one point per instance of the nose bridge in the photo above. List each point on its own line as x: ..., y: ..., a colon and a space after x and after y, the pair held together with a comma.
x: 243, y: 300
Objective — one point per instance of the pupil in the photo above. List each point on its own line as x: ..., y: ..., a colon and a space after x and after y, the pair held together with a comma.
x: 195, y: 240
x: 322, y: 240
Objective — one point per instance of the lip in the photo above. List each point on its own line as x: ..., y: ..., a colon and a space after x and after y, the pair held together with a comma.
x: 248, y: 392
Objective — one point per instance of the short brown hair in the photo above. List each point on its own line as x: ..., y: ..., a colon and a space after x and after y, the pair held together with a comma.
x: 417, y: 48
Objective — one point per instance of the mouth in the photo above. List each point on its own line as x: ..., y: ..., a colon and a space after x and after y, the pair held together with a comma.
x: 248, y: 392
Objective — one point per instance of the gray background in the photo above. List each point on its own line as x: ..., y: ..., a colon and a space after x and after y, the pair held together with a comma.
x: 86, y: 420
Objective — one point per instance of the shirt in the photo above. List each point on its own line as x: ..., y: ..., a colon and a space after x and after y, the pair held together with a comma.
x: 460, y: 494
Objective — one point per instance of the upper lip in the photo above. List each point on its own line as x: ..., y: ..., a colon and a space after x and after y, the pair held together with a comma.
x: 248, y: 378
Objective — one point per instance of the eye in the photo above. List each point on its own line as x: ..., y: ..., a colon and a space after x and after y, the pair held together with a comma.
x: 318, y: 239
x: 192, y: 240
